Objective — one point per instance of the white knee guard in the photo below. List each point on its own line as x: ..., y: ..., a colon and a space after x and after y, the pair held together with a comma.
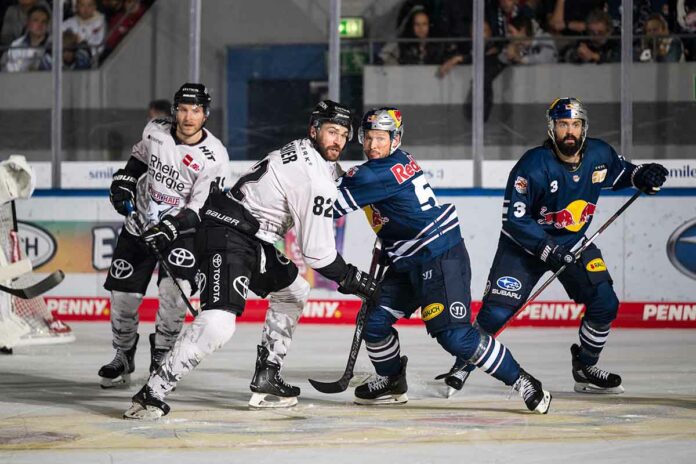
x: 124, y: 318
x: 283, y: 313
x: 208, y: 333
x: 171, y: 312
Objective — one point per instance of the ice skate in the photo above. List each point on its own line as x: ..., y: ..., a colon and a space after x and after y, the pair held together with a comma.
x: 269, y: 390
x: 591, y: 379
x: 157, y: 355
x: 146, y: 406
x: 535, y: 397
x: 117, y: 372
x: 384, y: 390
x: 456, y: 377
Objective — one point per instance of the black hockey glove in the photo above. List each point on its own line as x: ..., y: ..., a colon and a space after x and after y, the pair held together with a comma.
x: 356, y: 282
x: 555, y: 255
x: 163, y: 234
x: 649, y: 177
x: 122, y: 190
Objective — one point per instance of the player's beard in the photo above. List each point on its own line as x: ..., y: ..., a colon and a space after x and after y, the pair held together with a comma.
x: 565, y: 149
x: 324, y: 151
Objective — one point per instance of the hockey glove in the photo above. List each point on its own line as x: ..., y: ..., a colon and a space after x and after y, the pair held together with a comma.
x: 555, y: 255
x: 649, y: 177
x: 163, y: 234
x: 356, y: 282
x: 122, y: 190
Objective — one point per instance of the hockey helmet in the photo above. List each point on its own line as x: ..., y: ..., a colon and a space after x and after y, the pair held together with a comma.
x: 330, y: 111
x: 567, y: 108
x: 386, y: 119
x: 194, y: 94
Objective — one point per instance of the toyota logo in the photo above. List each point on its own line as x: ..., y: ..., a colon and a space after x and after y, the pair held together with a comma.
x: 241, y: 286
x: 217, y: 260
x: 200, y: 281
x: 181, y: 257
x: 121, y: 269
x: 282, y: 259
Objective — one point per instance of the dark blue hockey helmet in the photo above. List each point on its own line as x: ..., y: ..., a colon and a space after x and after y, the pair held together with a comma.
x: 567, y: 108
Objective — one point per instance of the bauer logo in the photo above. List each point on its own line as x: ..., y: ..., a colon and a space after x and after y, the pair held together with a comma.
x: 681, y: 248
x: 36, y: 243
x: 432, y: 311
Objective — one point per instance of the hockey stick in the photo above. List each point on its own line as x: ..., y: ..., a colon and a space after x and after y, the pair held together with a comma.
x: 38, y: 288
x: 376, y: 270
x: 584, y: 246
x: 134, y: 216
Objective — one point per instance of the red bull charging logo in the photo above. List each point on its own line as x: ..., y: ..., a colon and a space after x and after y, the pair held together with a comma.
x: 375, y: 218
x: 573, y: 217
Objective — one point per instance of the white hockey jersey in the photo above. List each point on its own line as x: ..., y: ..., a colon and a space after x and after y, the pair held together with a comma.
x: 178, y: 175
x: 293, y: 186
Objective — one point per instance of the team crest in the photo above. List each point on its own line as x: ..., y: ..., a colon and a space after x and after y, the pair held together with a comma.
x: 521, y: 185
x: 599, y: 176
x: 352, y: 171
x: 576, y: 178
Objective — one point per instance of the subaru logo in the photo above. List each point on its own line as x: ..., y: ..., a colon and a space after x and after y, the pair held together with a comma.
x: 181, y: 257
x: 121, y: 269
x: 509, y: 283
x: 681, y: 248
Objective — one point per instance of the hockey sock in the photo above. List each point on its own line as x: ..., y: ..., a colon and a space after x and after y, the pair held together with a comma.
x: 593, y: 336
x: 284, y: 311
x: 124, y: 318
x: 385, y: 355
x: 171, y: 312
x: 208, y: 333
x: 495, y: 359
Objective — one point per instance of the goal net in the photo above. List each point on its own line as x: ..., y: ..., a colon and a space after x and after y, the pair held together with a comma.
x: 23, y: 322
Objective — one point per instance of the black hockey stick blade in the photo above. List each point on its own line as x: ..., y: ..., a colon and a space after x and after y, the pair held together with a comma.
x: 332, y: 387
x: 38, y: 288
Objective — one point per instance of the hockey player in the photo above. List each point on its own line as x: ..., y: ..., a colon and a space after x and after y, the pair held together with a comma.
x: 291, y: 186
x: 550, y: 199
x: 168, y: 177
x: 428, y: 268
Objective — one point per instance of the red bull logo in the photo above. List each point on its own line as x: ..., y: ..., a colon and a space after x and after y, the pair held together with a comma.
x: 573, y: 217
x: 402, y: 172
x: 375, y: 218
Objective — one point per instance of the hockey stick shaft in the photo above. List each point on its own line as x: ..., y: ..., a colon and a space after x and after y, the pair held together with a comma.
x: 132, y: 213
x: 38, y: 288
x: 376, y: 270
x: 578, y: 253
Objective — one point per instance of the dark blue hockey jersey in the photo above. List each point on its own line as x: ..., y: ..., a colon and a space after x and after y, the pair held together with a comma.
x: 401, y: 208
x: 544, y: 199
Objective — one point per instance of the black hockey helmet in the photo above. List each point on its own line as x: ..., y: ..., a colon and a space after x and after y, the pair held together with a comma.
x: 330, y: 111
x: 194, y: 94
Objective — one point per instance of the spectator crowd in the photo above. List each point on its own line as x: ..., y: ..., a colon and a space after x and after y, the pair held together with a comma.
x: 91, y: 30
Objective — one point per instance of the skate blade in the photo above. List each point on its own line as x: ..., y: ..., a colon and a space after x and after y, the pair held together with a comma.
x: 147, y: 413
x: 544, y: 404
x: 451, y: 392
x: 121, y: 381
x: 267, y: 400
x: 390, y: 399
x: 581, y: 387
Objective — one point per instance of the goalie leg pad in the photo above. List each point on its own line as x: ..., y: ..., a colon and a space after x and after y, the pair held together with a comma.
x: 124, y: 318
x: 208, y: 333
x: 284, y: 311
x: 171, y: 312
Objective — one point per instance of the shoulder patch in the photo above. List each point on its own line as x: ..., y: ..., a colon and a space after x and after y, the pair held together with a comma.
x: 521, y: 185
x: 352, y: 171
x: 599, y: 176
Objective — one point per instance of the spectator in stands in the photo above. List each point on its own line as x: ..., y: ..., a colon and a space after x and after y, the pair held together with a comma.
x: 123, y: 15
x: 89, y: 25
x: 500, y: 12
x: 657, y: 45
x: 530, y: 44
x: 76, y: 54
x: 491, y: 50
x: 26, y: 52
x: 598, y: 48
x: 568, y: 16
x: 159, y: 109
x: 15, y: 20
x: 686, y: 19
x: 421, y: 52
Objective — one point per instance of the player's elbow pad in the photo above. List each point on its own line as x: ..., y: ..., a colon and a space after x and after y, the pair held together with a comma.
x: 334, y: 271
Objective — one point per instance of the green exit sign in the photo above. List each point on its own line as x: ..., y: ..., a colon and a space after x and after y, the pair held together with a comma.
x: 351, y: 28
